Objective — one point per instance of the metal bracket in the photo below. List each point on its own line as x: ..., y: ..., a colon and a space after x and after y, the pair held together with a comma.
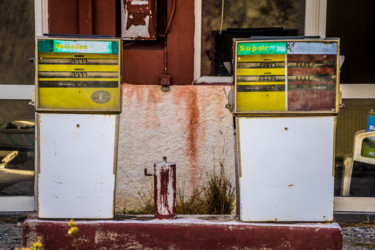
x: 146, y: 174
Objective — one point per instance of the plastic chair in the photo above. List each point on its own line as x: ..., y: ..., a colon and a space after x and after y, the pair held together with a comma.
x: 349, y: 161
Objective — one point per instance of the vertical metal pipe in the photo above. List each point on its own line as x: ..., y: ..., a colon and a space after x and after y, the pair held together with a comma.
x: 165, y: 190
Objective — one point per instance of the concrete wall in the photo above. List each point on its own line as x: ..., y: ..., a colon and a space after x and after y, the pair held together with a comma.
x: 188, y: 124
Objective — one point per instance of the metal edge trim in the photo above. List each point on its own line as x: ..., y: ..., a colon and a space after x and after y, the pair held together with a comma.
x: 38, y: 165
x: 115, y: 160
x: 235, y: 77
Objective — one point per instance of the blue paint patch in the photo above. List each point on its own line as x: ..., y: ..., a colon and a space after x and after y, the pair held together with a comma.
x: 313, y: 48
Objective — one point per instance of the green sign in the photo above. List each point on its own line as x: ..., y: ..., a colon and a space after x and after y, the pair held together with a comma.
x: 79, y: 46
x: 101, y: 47
x: 259, y: 48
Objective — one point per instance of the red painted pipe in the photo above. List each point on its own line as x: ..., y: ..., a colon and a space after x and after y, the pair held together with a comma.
x: 165, y: 190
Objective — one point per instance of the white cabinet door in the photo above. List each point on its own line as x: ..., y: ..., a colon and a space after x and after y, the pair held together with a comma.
x: 286, y: 168
x: 76, y: 176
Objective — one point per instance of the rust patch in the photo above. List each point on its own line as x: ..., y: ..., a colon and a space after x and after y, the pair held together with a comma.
x: 142, y: 15
x: 187, y: 96
x: 133, y: 234
x: 311, y: 101
x: 153, y: 98
x: 165, y: 190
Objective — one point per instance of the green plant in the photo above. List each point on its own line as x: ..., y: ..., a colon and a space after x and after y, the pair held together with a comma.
x: 145, y: 200
x: 219, y: 195
x: 193, y: 205
x: 34, y: 245
x: 73, y: 230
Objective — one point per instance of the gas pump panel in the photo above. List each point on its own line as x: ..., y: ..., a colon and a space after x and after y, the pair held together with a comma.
x: 78, y: 74
x: 138, y: 19
x: 286, y: 76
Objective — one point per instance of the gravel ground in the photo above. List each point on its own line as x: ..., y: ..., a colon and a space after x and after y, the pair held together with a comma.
x: 356, y: 236
x: 10, y: 234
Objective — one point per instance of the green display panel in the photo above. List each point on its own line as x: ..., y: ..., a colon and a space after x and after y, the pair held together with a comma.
x: 261, y: 48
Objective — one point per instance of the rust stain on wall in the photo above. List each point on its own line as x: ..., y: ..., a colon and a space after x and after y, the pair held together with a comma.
x: 188, y: 97
x: 153, y: 98
x: 143, y: 96
x: 129, y: 93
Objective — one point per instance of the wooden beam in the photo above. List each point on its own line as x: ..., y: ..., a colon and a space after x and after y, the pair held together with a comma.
x: 85, y: 17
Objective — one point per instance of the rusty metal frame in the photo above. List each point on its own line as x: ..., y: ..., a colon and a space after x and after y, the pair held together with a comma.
x: 115, y: 161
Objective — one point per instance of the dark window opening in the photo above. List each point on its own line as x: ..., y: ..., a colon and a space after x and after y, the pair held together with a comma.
x: 243, y: 19
x: 354, y: 26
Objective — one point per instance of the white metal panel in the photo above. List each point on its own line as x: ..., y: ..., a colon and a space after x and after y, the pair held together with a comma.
x: 354, y: 204
x: 77, y: 159
x: 357, y: 91
x: 16, y: 203
x: 16, y: 92
x: 286, y: 168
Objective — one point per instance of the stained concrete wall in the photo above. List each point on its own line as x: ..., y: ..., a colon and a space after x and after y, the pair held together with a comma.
x: 189, y: 124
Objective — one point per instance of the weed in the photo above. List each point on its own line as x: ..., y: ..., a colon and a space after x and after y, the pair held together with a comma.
x: 34, y: 245
x: 193, y: 205
x: 219, y: 194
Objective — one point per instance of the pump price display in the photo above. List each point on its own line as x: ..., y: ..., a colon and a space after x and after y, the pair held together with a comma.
x: 286, y: 76
x: 78, y: 75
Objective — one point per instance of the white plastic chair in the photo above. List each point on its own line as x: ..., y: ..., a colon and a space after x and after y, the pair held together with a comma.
x: 349, y: 161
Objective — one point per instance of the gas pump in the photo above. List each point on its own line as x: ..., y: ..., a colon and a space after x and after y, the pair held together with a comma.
x: 78, y: 83
x: 286, y: 102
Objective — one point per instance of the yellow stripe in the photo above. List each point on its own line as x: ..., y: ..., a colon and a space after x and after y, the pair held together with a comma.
x: 260, y: 83
x: 261, y: 71
x: 74, y: 55
x: 78, y: 61
x: 76, y: 98
x: 261, y: 58
x: 61, y: 74
x: 78, y: 79
x: 260, y: 101
x: 76, y: 67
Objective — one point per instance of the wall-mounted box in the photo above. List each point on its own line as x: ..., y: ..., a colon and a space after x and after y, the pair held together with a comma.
x: 78, y: 75
x: 286, y: 76
x: 138, y: 18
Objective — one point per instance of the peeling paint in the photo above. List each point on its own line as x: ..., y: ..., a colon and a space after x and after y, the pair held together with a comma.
x: 138, y: 19
x: 165, y: 190
x: 183, y: 234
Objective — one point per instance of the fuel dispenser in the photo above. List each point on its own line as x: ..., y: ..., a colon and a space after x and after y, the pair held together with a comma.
x: 286, y: 99
x: 77, y: 103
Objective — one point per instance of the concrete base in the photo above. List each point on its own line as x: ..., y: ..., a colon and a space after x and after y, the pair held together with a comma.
x: 186, y: 232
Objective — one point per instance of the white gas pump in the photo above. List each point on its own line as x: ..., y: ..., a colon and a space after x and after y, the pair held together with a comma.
x: 77, y: 103
x: 286, y: 99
